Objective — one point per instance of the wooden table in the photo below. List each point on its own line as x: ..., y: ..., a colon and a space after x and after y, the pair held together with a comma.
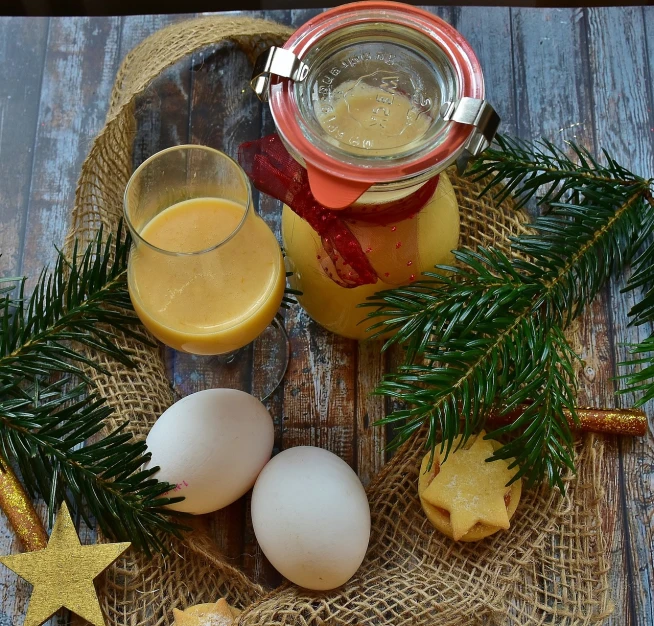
x: 582, y: 74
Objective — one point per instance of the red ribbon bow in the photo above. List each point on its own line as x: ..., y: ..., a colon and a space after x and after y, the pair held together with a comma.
x: 275, y: 172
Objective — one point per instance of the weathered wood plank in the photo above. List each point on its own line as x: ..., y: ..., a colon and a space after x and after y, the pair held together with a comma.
x: 162, y: 109
x: 300, y: 16
x: 489, y: 34
x: 22, y: 51
x: 622, y: 84
x: 80, y: 65
x: 163, y: 115
x: 648, y: 18
x: 254, y: 562
x: 551, y: 91
x: 624, y: 121
x: 319, y: 407
x: 495, y: 54
x: 449, y: 14
x: 80, y: 62
x: 370, y: 439
x: 319, y: 396
x: 556, y: 104
x: 224, y: 112
x: 345, y: 405
x: 163, y: 120
x: 372, y: 364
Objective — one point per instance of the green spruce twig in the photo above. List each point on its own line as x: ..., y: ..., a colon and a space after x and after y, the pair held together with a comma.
x: 640, y: 376
x: 46, y: 420
x: 79, y: 301
x: 43, y: 430
x: 488, y: 333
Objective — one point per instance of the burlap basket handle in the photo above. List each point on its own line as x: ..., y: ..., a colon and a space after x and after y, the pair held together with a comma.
x: 98, y: 199
x: 550, y: 567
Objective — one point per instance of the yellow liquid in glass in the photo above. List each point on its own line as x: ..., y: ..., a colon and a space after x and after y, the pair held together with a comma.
x: 211, y: 302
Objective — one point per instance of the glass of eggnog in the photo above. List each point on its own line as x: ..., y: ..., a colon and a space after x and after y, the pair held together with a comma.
x: 206, y: 275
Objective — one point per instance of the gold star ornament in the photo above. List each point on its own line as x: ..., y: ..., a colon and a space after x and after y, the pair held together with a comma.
x: 62, y: 573
x: 465, y: 496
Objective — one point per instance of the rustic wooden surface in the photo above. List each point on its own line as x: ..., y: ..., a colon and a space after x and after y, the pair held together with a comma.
x: 583, y: 74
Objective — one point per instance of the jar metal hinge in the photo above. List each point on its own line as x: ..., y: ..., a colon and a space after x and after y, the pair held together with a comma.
x: 477, y: 113
x: 279, y: 62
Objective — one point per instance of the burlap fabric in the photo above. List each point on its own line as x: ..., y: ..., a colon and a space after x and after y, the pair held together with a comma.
x: 549, y: 569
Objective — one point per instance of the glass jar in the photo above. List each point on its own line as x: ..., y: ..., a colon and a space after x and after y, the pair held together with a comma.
x: 374, y: 100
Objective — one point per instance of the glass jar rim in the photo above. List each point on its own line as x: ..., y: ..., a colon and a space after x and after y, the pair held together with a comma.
x: 246, y: 183
x: 286, y: 111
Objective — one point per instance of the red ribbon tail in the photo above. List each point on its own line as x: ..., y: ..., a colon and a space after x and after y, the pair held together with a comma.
x: 275, y: 172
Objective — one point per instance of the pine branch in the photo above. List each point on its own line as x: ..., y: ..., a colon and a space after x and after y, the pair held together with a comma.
x: 488, y: 332
x: 523, y: 169
x: 45, y: 421
x: 83, y: 300
x: 44, y: 432
x: 641, y: 378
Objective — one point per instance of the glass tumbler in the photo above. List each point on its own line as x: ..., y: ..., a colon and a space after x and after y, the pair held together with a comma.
x: 206, y: 275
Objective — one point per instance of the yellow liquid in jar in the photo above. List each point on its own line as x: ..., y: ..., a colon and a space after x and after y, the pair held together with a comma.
x: 371, y: 119
x: 335, y: 307
x: 212, y: 302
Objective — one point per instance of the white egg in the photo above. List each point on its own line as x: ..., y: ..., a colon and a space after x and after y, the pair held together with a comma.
x: 211, y: 445
x: 311, y: 517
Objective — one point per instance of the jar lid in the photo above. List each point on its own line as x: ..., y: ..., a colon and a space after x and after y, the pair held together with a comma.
x: 372, y: 97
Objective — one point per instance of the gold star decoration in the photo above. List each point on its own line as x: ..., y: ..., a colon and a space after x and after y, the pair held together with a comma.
x: 214, y: 614
x: 471, y: 489
x: 62, y: 573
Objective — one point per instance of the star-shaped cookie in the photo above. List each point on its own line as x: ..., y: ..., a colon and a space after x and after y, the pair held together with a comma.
x: 471, y: 489
x: 213, y: 614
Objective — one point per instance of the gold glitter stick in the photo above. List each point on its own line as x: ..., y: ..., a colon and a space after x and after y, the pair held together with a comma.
x: 612, y: 421
x: 18, y: 508
x: 592, y: 420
